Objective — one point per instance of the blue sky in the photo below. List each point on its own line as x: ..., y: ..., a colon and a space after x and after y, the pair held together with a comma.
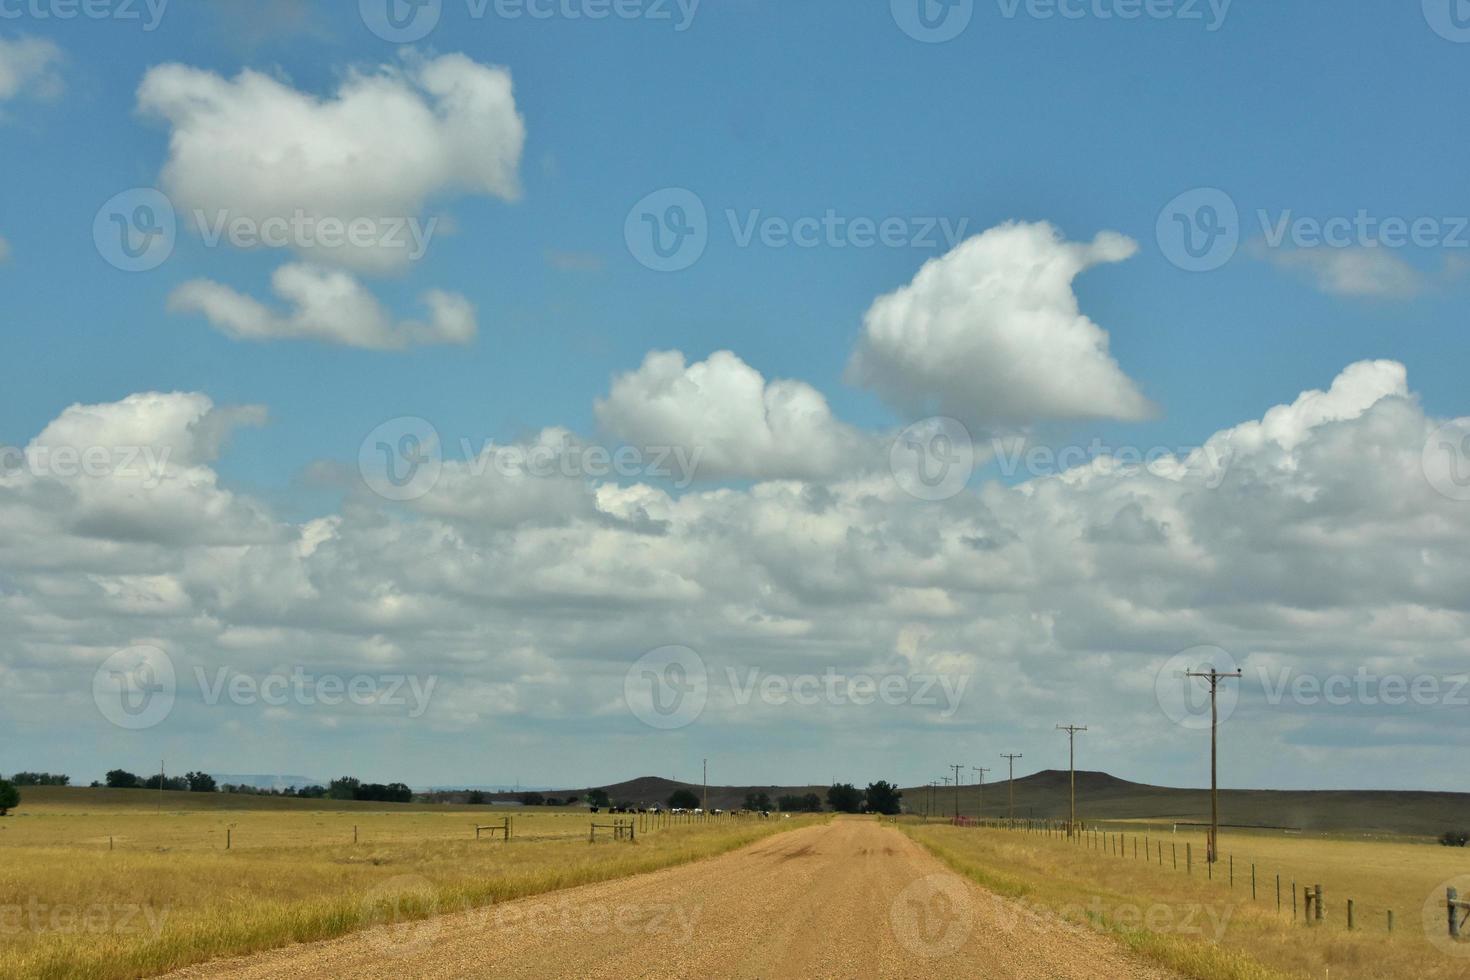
x: 793, y: 110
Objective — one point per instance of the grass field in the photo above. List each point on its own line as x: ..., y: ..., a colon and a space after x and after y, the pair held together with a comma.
x: 169, y: 894
x: 1206, y: 928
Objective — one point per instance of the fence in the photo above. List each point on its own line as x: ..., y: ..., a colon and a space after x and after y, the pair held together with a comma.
x: 620, y: 829
x: 1151, y: 851
x: 503, y: 828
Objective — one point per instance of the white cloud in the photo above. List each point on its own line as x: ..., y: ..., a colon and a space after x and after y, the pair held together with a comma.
x: 1360, y: 271
x: 991, y: 333
x: 384, y: 145
x: 325, y: 305
x: 29, y: 66
x: 741, y: 425
x: 1321, y: 546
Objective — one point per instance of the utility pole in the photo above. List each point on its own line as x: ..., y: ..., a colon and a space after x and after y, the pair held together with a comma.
x: 957, y: 769
x: 161, y: 781
x: 1072, y: 731
x: 1214, y: 677
x: 706, y: 786
x: 980, y: 804
x: 1011, y: 786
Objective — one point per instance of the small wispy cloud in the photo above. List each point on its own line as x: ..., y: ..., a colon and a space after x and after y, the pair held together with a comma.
x: 1363, y: 271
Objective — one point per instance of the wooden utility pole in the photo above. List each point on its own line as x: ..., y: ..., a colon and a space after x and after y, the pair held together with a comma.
x: 1214, y: 677
x: 980, y: 806
x: 957, y: 769
x: 1072, y: 731
x: 1011, y: 786
x: 706, y: 786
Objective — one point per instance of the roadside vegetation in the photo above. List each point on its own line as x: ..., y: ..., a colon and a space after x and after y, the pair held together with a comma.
x: 101, y: 884
x: 1202, y: 926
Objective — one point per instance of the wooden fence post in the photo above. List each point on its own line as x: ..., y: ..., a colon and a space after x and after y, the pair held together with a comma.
x: 1390, y: 920
x: 1452, y: 897
x: 1188, y: 858
x: 1317, y: 897
x: 1350, y: 915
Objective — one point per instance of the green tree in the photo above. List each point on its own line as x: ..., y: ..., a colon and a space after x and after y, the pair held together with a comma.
x: 845, y: 798
x: 40, y: 779
x: 683, y: 799
x: 167, y: 782
x: 598, y: 798
x: 476, y: 798
x: 757, y: 801
x: 121, y: 779
x: 9, y: 797
x: 344, y: 788
x: 884, y: 797
x: 201, y: 782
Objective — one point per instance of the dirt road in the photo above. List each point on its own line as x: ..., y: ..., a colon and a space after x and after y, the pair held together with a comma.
x: 848, y: 899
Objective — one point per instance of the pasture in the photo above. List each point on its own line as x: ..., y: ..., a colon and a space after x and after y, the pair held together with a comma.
x: 167, y: 892
x: 1201, y: 924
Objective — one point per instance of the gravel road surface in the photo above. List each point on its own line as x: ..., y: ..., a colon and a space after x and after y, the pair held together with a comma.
x: 851, y: 898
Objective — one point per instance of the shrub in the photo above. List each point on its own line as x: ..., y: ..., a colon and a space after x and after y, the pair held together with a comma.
x: 9, y: 797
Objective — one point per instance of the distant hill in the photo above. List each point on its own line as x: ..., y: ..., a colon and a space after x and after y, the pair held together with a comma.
x: 655, y: 789
x: 262, y: 781
x: 1104, y: 797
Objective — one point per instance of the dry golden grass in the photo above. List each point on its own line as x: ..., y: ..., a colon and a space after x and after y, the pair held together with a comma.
x: 1206, y: 928
x: 170, y: 895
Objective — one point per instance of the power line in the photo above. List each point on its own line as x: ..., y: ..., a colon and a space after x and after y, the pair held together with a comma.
x: 1212, y: 852
x: 1011, y: 786
x: 1072, y: 731
x: 980, y: 806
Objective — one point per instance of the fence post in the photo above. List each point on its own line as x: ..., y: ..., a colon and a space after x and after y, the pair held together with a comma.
x: 1390, y: 920
x: 1452, y: 897
x: 1318, y: 897
x: 1350, y: 915
x: 1188, y: 858
x: 229, y: 834
x: 354, y: 833
x: 1253, y: 881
